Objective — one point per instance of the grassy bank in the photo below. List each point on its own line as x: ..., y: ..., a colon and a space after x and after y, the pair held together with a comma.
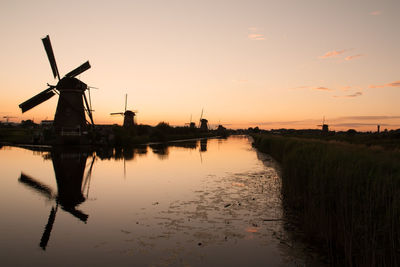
x: 16, y: 135
x: 346, y: 197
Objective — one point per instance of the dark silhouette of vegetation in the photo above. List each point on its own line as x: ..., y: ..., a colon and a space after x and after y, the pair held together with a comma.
x: 345, y: 197
x: 105, y: 135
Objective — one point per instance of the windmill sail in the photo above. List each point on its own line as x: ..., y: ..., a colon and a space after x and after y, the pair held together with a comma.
x: 50, y: 55
x: 47, y: 230
x: 37, y: 99
x: 89, y: 111
x: 36, y: 185
x: 84, y: 67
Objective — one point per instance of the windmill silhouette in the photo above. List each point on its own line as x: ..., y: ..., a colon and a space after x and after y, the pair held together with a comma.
x: 129, y: 115
x: 203, y: 123
x: 191, y: 124
x: 325, y: 127
x: 8, y: 118
x: 69, y: 120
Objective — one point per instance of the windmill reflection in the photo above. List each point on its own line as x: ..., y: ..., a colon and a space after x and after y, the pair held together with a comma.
x: 203, y: 144
x: 72, y: 186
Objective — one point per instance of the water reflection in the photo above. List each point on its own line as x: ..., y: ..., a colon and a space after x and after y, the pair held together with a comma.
x: 118, y: 153
x: 203, y: 145
x: 161, y: 150
x: 69, y: 167
x: 73, y: 184
x: 168, y: 210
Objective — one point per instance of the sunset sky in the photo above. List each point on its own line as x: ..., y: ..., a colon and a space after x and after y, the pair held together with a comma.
x: 248, y: 63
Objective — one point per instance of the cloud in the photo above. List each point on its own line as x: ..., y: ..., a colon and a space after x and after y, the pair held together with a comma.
x: 356, y: 94
x: 301, y: 122
x: 353, y: 57
x: 368, y: 118
x: 322, y: 88
x: 256, y: 36
x: 357, y: 125
x: 333, y: 53
x: 376, y: 13
x: 392, y: 84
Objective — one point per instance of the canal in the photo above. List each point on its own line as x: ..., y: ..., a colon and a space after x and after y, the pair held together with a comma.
x: 209, y: 202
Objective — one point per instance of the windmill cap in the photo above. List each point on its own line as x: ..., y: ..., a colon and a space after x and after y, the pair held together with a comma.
x: 71, y: 83
x: 129, y: 112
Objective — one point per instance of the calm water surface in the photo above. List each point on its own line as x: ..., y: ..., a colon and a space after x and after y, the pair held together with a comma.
x: 198, y: 203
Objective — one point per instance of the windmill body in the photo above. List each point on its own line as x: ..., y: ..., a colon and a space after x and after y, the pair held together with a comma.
x: 70, y: 122
x: 204, y: 125
x: 129, y: 118
x: 70, y: 119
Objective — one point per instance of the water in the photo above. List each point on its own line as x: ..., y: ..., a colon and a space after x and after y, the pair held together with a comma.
x: 199, y: 203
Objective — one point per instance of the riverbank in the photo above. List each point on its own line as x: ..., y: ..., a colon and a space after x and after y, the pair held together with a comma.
x: 345, y: 197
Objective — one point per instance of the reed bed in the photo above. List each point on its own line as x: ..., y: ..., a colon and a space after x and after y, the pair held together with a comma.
x: 346, y: 198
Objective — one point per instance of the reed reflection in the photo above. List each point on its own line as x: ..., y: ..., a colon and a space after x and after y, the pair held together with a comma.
x: 119, y: 153
x: 72, y: 185
x: 161, y: 150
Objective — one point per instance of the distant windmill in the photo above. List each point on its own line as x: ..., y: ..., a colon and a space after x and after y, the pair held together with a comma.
x: 8, y: 118
x: 69, y: 119
x: 325, y: 127
x: 129, y: 115
x: 191, y: 124
x: 203, y: 123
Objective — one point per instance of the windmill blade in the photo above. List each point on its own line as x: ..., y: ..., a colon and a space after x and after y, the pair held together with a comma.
x: 117, y: 113
x: 201, y: 116
x: 76, y: 213
x: 90, y: 99
x: 37, y: 186
x: 37, y: 99
x: 84, y: 67
x: 126, y: 100
x: 47, y: 229
x: 50, y: 55
x: 88, y: 110
x: 88, y: 177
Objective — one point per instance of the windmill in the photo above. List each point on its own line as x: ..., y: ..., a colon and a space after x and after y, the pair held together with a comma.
x: 72, y: 187
x: 203, y: 123
x: 129, y: 115
x: 191, y: 124
x: 325, y: 127
x: 69, y: 120
x: 8, y: 118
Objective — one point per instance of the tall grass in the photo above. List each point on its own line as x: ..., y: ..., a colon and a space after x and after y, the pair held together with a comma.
x: 346, y: 197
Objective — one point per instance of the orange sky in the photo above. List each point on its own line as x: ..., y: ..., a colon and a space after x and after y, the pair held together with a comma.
x: 247, y: 63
